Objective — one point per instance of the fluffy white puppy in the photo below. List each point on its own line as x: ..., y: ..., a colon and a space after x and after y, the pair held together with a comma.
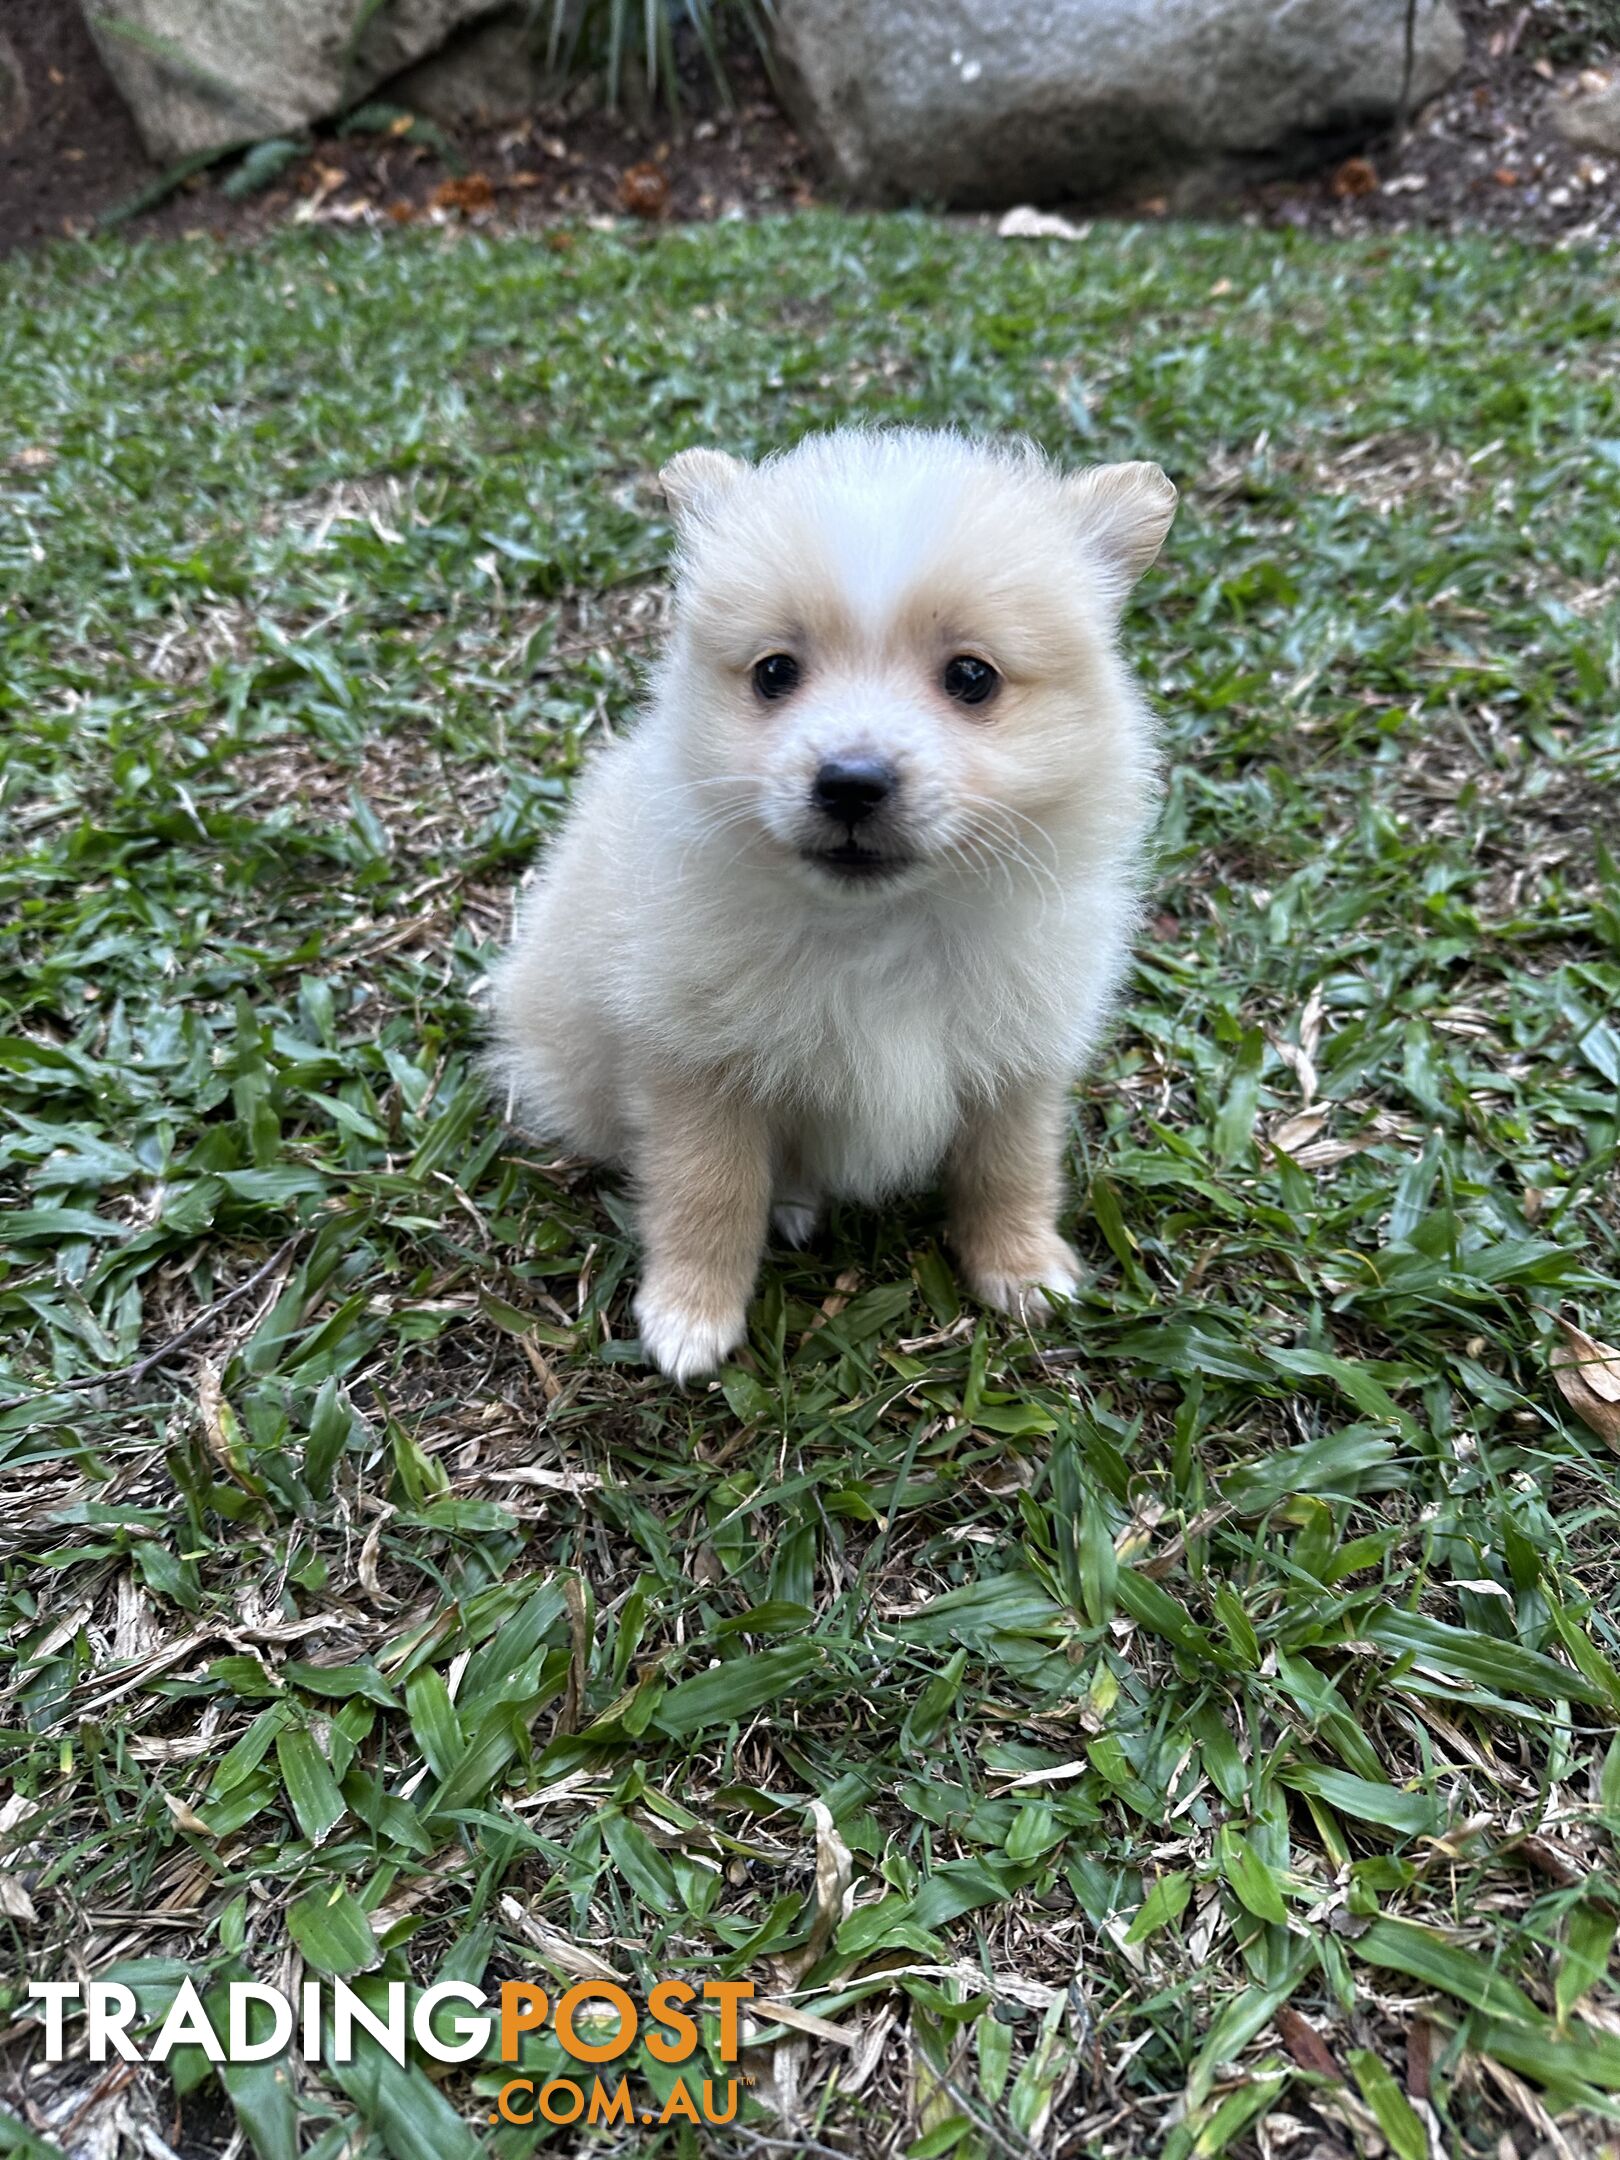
x: 850, y: 905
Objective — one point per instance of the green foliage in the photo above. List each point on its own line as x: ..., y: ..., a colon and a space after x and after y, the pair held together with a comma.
x: 1572, y: 31
x: 262, y: 167
x: 631, y: 44
x: 1243, y: 1647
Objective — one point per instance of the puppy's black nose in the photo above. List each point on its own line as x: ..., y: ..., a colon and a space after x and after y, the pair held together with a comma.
x: 850, y: 789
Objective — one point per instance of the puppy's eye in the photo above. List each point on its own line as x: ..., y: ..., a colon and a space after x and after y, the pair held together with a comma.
x: 776, y: 675
x: 969, y: 679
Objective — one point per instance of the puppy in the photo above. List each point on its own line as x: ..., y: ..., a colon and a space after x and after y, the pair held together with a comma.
x: 850, y: 905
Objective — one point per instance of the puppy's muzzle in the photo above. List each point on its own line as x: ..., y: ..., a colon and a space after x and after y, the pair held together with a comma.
x: 853, y: 800
x: 851, y: 790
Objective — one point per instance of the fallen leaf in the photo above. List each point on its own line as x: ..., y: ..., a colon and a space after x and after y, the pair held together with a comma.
x: 15, y: 1903
x: 835, y: 1868
x: 367, y: 1563
x: 1054, y: 1776
x: 1547, y: 1860
x: 644, y: 190
x: 550, y: 1385
x: 14, y: 1813
x: 558, y: 1950
x: 844, y: 1288
x: 309, y: 209
x: 1356, y: 176
x: 1027, y: 223
x: 1419, y: 2054
x: 1300, y: 1129
x: 579, y: 1633
x: 468, y: 194
x: 221, y: 1429
x: 563, y: 1481
x: 1307, y: 2046
x: 1588, y: 1377
x: 766, y: 2007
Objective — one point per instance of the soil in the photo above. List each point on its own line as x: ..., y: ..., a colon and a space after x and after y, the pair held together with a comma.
x: 76, y: 160
x: 1484, y: 153
x: 68, y: 147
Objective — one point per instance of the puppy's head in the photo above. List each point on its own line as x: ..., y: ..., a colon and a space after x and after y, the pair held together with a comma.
x: 894, y: 657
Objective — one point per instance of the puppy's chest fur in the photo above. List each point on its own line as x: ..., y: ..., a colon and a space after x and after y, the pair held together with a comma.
x: 867, y: 1039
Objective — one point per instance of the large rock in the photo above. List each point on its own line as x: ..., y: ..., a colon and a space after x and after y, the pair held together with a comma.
x: 492, y: 71
x: 1592, y: 121
x: 997, y: 101
x: 199, y: 74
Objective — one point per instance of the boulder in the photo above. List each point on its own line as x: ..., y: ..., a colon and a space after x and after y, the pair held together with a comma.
x: 200, y: 74
x: 986, y: 102
x: 1592, y: 121
x: 491, y: 71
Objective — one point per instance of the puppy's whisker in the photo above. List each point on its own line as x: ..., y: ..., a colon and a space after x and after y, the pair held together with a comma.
x: 1006, y: 819
x: 1021, y: 817
x: 729, y: 818
x: 1001, y: 843
x: 981, y: 860
x: 1011, y: 856
x: 1016, y: 852
x: 711, y: 829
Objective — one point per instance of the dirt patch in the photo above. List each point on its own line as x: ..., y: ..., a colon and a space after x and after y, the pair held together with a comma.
x: 70, y: 155
x: 68, y: 147
x: 532, y: 172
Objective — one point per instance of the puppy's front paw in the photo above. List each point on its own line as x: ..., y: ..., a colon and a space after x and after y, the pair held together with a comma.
x: 681, y: 1337
x: 1013, y: 1274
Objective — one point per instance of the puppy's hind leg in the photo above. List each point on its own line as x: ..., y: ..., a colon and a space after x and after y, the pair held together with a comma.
x: 703, y: 1163
x: 1004, y: 1183
x: 794, y: 1218
x: 795, y: 1203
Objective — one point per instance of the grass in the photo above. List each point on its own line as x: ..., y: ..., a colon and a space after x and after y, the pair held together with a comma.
x: 1192, y: 1730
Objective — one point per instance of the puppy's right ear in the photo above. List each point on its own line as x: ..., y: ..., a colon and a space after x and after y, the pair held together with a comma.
x: 695, y: 480
x: 1124, y: 512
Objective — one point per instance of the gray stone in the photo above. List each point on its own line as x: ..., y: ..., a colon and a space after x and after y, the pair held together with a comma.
x: 985, y: 102
x: 199, y: 74
x: 1592, y: 122
x: 492, y: 71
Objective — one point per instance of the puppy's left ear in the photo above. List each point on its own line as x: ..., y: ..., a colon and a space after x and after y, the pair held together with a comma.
x: 695, y: 480
x: 1124, y: 512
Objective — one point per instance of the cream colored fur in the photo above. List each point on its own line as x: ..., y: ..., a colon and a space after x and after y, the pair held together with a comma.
x: 688, y: 995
